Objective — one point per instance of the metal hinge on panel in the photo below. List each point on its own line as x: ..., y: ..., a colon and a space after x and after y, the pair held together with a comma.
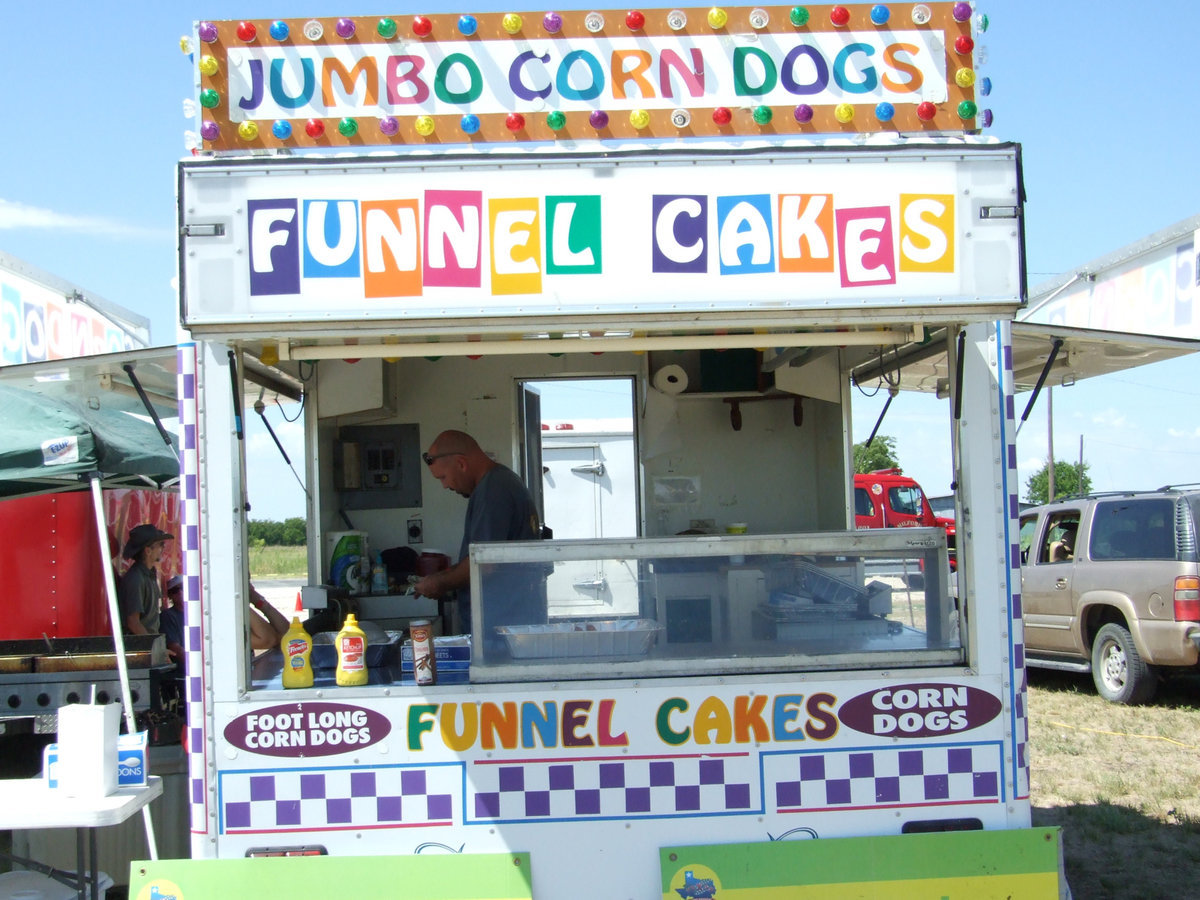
x: 999, y: 212
x: 215, y: 229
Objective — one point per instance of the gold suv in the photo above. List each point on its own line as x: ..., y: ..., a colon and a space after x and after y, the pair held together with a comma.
x: 1110, y: 583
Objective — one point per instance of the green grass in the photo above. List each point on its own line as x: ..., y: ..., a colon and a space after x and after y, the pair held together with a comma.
x: 278, y: 562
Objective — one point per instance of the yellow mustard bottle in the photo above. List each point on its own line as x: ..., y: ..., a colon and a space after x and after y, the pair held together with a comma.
x: 296, y: 645
x: 351, y: 654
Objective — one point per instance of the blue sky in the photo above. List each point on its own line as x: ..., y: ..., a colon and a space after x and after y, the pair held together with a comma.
x: 1101, y: 96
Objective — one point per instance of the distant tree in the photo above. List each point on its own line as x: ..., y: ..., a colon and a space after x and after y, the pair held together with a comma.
x: 290, y: 532
x: 880, y: 455
x: 1069, y: 479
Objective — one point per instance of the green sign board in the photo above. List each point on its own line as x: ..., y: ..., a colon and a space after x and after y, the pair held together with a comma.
x: 1019, y: 864
x: 491, y: 876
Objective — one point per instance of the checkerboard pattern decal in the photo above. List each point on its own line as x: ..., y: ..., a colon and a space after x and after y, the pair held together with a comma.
x: 338, y: 798
x: 1018, y: 674
x: 622, y: 788
x: 867, y: 778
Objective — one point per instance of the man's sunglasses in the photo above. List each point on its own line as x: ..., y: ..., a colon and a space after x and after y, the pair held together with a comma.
x: 429, y: 459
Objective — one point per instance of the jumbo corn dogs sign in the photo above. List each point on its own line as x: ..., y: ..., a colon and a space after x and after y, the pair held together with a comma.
x: 587, y: 76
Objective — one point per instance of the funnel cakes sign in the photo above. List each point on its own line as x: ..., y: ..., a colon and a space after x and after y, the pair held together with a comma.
x: 587, y: 76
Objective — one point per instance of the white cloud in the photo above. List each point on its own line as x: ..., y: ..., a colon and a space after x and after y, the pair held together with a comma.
x: 15, y: 215
x: 1111, y: 418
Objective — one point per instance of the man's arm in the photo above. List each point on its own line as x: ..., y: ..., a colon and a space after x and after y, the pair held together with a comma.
x: 439, y: 584
x: 133, y: 624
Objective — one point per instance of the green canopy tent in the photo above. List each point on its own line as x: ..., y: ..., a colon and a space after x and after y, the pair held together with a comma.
x: 56, y: 443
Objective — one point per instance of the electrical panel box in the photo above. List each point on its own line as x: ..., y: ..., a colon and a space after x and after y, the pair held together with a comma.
x: 378, y: 466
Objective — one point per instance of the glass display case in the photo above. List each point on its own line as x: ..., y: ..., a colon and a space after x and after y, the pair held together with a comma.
x: 715, y: 604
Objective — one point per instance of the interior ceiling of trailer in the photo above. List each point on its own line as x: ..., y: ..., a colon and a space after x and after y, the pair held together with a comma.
x: 1084, y: 353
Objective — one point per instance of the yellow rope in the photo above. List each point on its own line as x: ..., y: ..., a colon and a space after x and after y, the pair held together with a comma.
x: 1148, y: 737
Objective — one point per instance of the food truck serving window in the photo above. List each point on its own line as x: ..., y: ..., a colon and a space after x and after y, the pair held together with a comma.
x: 702, y: 605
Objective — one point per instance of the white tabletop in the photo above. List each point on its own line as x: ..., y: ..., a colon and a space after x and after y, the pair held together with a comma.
x: 27, y: 803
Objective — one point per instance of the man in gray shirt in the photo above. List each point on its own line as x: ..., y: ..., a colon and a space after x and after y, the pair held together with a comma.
x: 499, y: 508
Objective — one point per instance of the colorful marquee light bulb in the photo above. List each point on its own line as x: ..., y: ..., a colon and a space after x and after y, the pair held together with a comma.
x: 389, y: 125
x: 314, y: 128
x: 248, y: 131
x: 207, y: 32
x: 469, y: 124
x: 556, y: 120
x: 926, y: 111
x: 963, y: 44
x: 880, y: 14
x: 282, y: 129
x: 598, y: 119
x: 844, y: 113
x: 681, y: 118
x: 839, y: 16
x: 967, y: 110
x: 208, y: 65
x: 246, y: 32
x: 635, y: 19
x: 759, y: 18
x: 511, y: 23
x: 803, y: 113
x: 717, y: 17
x: 514, y: 122
x: 314, y: 30
x: 985, y: 86
x: 722, y: 115
x: 210, y: 99
x: 189, y: 108
x: 387, y: 28
x: 964, y: 77
x: 467, y: 25
x: 191, y: 141
x: 185, y: 46
x: 961, y: 12
x: 981, y: 23
x: 921, y: 14
x: 348, y: 127
x: 985, y: 118
x: 594, y: 22
x: 677, y: 20
x: 422, y: 26
x: 210, y: 131
x: 799, y: 16
x: 345, y: 28
x: 763, y: 115
x: 639, y: 118
x: 552, y: 22
x: 424, y: 125
x: 279, y: 30
x: 884, y: 111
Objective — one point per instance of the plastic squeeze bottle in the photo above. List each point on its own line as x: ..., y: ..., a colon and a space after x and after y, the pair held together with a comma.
x: 351, y: 653
x: 296, y: 645
x: 379, y: 582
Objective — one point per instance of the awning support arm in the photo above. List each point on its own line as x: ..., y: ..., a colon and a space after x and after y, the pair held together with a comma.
x: 1037, y: 388
x: 150, y: 410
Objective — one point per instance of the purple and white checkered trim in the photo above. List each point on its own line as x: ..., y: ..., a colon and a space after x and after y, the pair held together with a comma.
x: 619, y: 787
x: 193, y: 606
x: 339, y: 798
x: 875, y: 778
x: 1018, y: 676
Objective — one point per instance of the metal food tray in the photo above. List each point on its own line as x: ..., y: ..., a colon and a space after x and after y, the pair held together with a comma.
x: 610, y: 637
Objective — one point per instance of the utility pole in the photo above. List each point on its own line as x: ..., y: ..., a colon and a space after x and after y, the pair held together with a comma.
x: 1050, y: 443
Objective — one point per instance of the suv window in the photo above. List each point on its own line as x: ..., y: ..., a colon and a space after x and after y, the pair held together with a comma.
x: 1133, y: 529
x: 1058, y: 540
x: 905, y: 500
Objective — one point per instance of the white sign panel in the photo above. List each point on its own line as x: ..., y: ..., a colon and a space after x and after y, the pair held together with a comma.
x: 337, y: 241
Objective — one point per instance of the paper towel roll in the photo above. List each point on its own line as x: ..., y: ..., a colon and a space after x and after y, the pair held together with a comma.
x: 671, y: 379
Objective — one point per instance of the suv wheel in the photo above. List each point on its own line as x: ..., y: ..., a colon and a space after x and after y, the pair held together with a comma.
x: 1118, y: 669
